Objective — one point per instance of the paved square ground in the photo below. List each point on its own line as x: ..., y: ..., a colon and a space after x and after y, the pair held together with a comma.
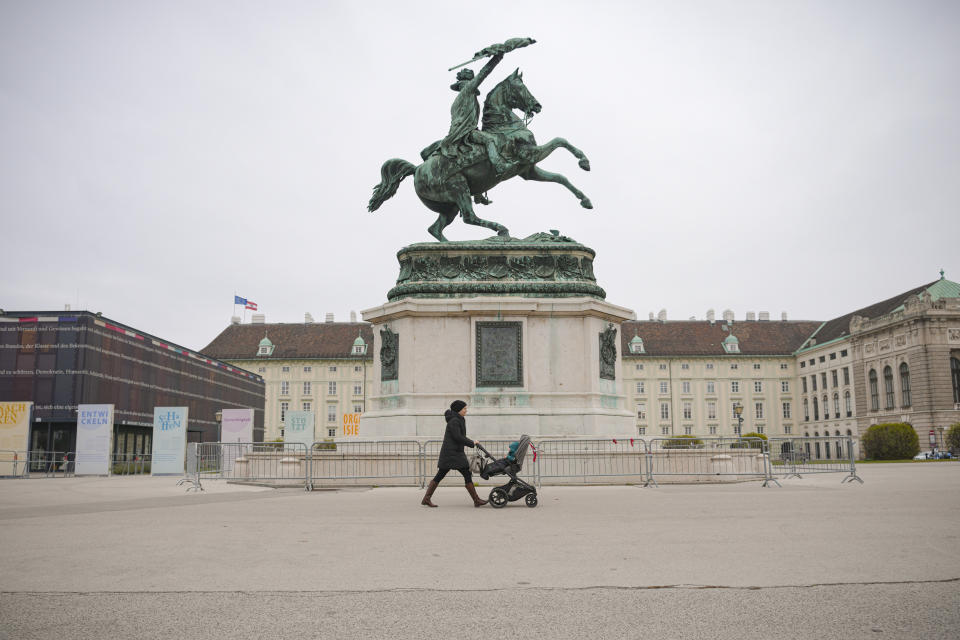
x: 140, y: 558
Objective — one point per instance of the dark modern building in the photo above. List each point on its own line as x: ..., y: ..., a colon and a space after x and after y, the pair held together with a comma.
x: 58, y: 360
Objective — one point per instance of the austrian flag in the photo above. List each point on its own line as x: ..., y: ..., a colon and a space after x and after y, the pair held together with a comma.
x: 247, y: 304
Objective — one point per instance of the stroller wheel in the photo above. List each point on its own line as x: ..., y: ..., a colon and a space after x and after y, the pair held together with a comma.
x: 498, y: 498
x: 531, y: 500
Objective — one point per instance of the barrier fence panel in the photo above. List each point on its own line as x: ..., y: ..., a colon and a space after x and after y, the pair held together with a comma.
x: 272, y: 462
x: 592, y: 461
x: 13, y: 464
x: 51, y: 464
x: 393, y: 462
x: 708, y: 459
x: 498, y: 448
x: 794, y: 457
x: 130, y: 464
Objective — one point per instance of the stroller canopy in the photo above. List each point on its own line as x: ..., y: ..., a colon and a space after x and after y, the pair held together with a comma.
x: 522, y: 450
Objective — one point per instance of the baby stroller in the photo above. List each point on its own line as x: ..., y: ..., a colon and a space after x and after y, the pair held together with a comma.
x: 511, y: 466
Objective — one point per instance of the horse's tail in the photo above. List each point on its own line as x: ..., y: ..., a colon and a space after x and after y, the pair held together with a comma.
x: 392, y: 174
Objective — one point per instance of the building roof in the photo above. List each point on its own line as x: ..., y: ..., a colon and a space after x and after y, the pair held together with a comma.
x: 322, y: 340
x: 840, y: 327
x: 703, y: 338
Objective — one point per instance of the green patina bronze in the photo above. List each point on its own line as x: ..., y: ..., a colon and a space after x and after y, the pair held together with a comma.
x: 544, y: 265
x: 470, y: 161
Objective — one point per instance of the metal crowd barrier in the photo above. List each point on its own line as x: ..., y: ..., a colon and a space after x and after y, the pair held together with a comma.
x: 130, y: 464
x: 805, y: 455
x: 393, y: 462
x: 13, y: 464
x: 551, y: 460
x: 705, y: 459
x: 51, y: 464
x: 591, y: 461
x: 247, y: 461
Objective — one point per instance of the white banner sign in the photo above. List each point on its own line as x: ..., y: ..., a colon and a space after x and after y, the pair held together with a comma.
x: 94, y: 439
x: 169, y: 441
x: 299, y: 427
x: 236, y: 425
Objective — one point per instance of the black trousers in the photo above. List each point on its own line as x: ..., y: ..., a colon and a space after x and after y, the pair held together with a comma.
x: 465, y: 472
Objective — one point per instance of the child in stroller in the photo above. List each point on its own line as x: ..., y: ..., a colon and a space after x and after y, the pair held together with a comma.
x: 510, y: 466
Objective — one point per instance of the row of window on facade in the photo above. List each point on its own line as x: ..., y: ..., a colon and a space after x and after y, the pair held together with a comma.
x: 759, y: 411
x: 889, y: 395
x: 813, y: 361
x: 847, y: 407
x: 309, y: 369
x: 685, y: 366
x: 711, y: 387
x: 712, y: 429
x: 834, y: 378
x: 332, y: 410
x: 308, y: 388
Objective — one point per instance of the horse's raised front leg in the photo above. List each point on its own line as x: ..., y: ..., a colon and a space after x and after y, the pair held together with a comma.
x: 539, y: 175
x: 541, y: 152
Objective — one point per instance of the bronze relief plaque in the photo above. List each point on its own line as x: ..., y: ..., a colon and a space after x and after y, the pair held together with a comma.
x: 499, y: 354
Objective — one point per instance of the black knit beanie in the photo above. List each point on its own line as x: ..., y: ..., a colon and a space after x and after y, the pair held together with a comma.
x: 457, y: 405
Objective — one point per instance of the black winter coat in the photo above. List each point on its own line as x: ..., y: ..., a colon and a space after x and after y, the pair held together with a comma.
x: 454, y: 440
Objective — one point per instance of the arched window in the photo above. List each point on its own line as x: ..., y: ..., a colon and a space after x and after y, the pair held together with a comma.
x: 955, y: 371
x: 836, y: 406
x: 888, y: 386
x: 806, y: 410
x: 816, y: 410
x: 874, y: 392
x: 847, y: 404
x: 826, y: 408
x: 816, y: 446
x: 904, y: 384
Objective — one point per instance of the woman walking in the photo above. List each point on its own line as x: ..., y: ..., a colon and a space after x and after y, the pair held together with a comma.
x: 451, y: 453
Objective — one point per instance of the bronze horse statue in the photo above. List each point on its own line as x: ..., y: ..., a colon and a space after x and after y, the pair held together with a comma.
x: 446, y: 187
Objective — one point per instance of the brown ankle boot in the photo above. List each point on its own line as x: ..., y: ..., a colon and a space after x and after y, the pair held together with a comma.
x: 426, y: 498
x: 477, y: 502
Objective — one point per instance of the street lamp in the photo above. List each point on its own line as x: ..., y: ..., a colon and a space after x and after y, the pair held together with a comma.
x: 218, y: 416
x: 738, y: 411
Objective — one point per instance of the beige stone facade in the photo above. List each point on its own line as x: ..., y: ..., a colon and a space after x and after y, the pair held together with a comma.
x: 692, y: 395
x: 334, y: 389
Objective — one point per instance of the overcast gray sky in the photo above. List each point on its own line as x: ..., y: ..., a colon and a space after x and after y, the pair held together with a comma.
x: 156, y: 157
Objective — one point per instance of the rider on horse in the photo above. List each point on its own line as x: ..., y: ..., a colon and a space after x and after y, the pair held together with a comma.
x: 464, y: 140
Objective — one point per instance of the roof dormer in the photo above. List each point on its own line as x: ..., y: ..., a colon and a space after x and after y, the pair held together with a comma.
x: 731, y: 344
x: 636, y: 345
x: 266, y: 347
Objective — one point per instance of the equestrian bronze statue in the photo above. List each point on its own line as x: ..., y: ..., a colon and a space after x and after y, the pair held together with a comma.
x: 469, y: 161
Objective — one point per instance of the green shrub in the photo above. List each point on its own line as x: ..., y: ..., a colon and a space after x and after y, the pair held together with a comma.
x: 682, y: 442
x: 749, y: 444
x: 953, y: 437
x: 891, y: 441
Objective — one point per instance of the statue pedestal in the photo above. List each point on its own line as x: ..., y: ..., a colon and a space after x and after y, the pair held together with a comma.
x: 514, y: 328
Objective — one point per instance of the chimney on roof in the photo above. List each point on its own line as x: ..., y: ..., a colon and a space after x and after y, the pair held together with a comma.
x: 783, y: 316
x: 258, y: 318
x: 651, y: 315
x: 353, y: 316
x: 66, y: 307
x: 235, y: 320
x: 307, y: 318
x: 728, y: 316
x: 693, y: 317
x: 751, y: 316
x: 662, y: 316
x: 710, y: 316
x: 329, y: 318
x: 764, y: 316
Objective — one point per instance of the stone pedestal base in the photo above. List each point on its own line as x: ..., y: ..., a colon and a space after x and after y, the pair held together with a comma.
x: 546, y: 352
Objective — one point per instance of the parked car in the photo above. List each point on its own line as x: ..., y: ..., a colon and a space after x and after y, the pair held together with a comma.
x: 923, y: 455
